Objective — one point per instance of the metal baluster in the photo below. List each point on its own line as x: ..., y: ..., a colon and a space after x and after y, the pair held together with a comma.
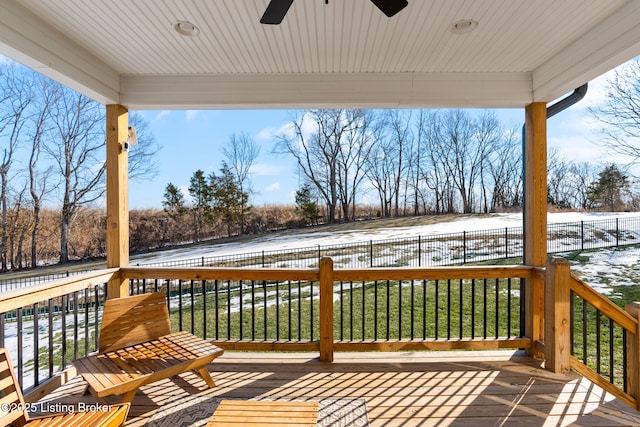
x: 460, y: 307
x: 75, y: 325
x: 203, y: 286
x: 484, y: 310
x: 36, y: 346
x: 611, y: 349
x: 364, y: 294
x: 388, y: 314
x: 375, y: 310
x: 449, y: 309
x: 50, y: 349
x: 253, y: 310
x: 473, y: 308
x: 341, y: 310
x: 351, y: 311
x: 497, y: 308
x: 509, y: 307
x: 264, y: 287
x: 436, y: 308
x: 20, y: 348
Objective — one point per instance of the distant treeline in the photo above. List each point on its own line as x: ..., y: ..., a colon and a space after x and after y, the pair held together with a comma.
x: 150, y: 229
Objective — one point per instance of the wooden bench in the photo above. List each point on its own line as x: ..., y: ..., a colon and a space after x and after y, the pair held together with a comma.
x: 248, y: 413
x: 136, y: 347
x: 13, y: 409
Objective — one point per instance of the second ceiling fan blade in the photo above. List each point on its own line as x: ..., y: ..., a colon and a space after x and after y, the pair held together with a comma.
x: 276, y: 12
x: 390, y: 7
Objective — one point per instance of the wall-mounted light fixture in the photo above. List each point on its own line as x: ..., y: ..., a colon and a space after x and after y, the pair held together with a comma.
x: 132, y: 139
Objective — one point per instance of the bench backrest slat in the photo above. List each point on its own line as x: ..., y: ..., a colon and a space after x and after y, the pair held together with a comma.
x: 10, y: 393
x: 132, y: 320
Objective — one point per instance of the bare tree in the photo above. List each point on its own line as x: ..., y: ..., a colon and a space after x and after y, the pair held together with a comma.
x: 380, y: 166
x: 505, y: 170
x: 241, y: 152
x: 400, y: 138
x: 15, y: 98
x: 317, y: 152
x: 355, y: 148
x: 620, y: 112
x: 39, y: 179
x: 76, y: 144
x: 583, y: 176
x: 461, y: 157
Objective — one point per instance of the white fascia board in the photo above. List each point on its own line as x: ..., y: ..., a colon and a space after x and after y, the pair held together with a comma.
x: 611, y: 43
x: 27, y: 39
x: 330, y: 90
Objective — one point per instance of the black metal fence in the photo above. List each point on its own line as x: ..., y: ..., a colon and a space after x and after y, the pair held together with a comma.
x: 433, y: 250
x: 420, y: 251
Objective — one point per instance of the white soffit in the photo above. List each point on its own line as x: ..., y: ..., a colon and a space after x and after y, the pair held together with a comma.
x: 345, y: 53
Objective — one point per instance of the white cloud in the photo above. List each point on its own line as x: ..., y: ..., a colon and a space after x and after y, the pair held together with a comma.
x: 273, y: 187
x: 161, y: 115
x: 266, y: 134
x: 191, y: 114
x: 265, y: 169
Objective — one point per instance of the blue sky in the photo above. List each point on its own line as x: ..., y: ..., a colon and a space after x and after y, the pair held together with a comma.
x: 193, y: 139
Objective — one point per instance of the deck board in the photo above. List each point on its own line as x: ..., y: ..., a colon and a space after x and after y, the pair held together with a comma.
x: 400, y: 389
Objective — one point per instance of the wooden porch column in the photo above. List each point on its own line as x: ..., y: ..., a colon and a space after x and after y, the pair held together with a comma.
x: 117, y: 197
x: 557, y: 329
x: 535, y: 216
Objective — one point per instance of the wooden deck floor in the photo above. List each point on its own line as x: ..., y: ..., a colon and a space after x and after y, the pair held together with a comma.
x: 400, y: 389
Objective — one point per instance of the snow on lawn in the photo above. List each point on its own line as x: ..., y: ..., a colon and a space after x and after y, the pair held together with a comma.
x: 277, y: 242
x: 603, y: 268
x: 607, y: 267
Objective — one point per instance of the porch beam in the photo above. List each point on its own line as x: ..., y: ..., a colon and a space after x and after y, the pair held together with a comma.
x: 117, y: 197
x: 535, y: 216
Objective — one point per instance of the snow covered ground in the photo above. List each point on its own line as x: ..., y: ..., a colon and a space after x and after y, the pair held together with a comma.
x: 289, y: 242
x: 601, y: 270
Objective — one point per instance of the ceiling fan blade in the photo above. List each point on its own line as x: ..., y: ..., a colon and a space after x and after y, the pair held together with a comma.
x: 390, y: 7
x: 275, y: 12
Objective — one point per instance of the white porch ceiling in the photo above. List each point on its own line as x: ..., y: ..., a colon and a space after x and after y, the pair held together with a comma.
x: 345, y: 53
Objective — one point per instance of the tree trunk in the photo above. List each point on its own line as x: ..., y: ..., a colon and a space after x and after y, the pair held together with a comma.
x: 65, y: 226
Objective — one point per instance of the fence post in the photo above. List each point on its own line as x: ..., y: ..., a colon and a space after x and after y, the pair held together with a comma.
x: 617, y: 233
x: 557, y: 322
x: 464, y: 247
x: 633, y: 354
x: 326, y: 309
x: 582, y: 235
x: 419, y: 252
x: 506, y: 243
x: 371, y: 253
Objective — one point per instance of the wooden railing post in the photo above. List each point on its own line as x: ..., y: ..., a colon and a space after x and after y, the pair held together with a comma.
x: 633, y: 355
x: 326, y: 309
x: 117, y: 197
x: 557, y: 325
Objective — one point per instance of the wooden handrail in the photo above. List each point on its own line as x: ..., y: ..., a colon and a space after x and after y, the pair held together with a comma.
x: 434, y: 273
x: 602, y: 303
x: 25, y: 297
x: 220, y: 273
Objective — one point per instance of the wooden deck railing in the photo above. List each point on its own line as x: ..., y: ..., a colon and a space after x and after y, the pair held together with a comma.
x: 327, y: 310
x: 588, y: 333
